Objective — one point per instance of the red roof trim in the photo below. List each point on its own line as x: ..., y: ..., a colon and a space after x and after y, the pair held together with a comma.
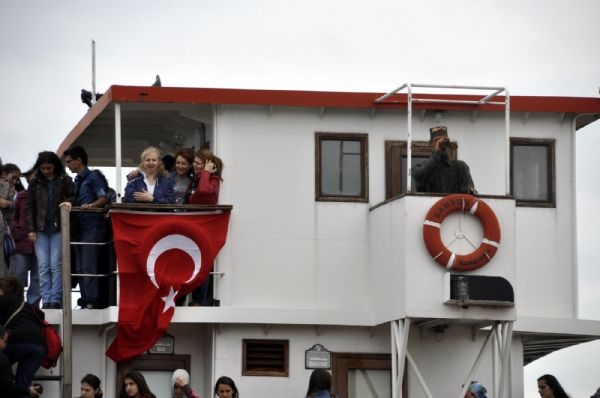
x: 318, y: 99
x: 341, y: 99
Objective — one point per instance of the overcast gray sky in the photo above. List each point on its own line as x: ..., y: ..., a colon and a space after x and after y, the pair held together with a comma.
x: 531, y: 47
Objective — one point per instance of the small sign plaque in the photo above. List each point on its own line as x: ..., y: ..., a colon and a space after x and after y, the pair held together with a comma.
x: 164, y: 345
x: 317, y: 357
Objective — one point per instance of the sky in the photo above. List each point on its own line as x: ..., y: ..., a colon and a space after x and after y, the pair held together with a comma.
x: 531, y: 47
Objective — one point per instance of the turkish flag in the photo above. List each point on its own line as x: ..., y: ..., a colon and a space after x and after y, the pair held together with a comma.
x: 160, y: 257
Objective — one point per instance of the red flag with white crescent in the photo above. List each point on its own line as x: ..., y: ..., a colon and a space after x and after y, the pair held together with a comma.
x: 160, y: 257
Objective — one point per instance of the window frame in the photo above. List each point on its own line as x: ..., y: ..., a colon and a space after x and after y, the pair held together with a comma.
x: 395, y: 151
x: 550, y: 144
x: 362, y: 138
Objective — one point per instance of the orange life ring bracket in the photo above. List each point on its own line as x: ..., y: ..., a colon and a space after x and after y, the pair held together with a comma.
x: 465, y: 204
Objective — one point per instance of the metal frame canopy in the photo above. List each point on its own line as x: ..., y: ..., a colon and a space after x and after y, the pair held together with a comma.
x: 490, y: 96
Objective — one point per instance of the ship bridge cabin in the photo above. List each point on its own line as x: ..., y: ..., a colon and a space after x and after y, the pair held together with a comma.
x: 327, y: 262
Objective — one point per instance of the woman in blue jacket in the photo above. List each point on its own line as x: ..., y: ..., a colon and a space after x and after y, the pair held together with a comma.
x: 152, y: 185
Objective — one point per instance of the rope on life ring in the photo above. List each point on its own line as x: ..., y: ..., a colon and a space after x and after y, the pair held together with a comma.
x: 465, y: 204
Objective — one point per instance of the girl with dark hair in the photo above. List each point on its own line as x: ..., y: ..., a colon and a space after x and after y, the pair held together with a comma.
x: 549, y: 387
x: 319, y: 384
x: 48, y: 189
x: 225, y: 388
x: 90, y: 386
x: 135, y: 386
x: 183, y: 175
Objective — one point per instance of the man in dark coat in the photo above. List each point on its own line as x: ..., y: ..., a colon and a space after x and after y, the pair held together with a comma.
x: 439, y: 173
x: 7, y: 380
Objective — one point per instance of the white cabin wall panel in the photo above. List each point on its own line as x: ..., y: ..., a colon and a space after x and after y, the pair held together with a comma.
x: 543, y: 261
x: 343, y: 278
x: 271, y: 273
x: 423, y: 278
x: 387, y: 261
x: 272, y: 191
x: 546, y: 256
x: 335, y: 339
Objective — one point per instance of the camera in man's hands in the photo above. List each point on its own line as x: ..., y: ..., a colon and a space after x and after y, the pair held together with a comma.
x: 444, y: 143
x: 39, y: 388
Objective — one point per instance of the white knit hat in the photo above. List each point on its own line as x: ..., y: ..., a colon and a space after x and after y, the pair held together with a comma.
x: 180, y: 373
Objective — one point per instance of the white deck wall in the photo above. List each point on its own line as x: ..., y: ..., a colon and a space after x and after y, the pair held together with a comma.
x: 286, y: 250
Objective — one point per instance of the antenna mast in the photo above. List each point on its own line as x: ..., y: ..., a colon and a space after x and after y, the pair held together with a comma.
x: 93, y: 71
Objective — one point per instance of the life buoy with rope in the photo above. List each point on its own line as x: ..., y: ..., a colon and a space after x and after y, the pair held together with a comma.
x: 465, y: 204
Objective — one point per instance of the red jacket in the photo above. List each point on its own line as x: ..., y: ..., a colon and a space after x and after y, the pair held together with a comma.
x: 18, y: 225
x: 205, y: 189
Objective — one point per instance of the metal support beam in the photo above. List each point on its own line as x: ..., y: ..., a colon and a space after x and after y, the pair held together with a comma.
x: 399, y: 336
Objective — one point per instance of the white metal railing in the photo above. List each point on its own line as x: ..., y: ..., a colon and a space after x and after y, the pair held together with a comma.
x: 486, y: 99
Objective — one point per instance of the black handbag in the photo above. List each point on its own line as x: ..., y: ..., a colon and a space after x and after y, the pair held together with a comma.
x: 9, y: 242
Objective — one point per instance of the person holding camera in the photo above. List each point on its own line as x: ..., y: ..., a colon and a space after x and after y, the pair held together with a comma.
x: 7, y: 379
x: 440, y: 173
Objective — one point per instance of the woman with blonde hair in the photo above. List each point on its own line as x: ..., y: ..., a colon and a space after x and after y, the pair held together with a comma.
x: 151, y: 185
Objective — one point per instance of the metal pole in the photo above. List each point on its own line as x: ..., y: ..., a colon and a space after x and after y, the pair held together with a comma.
x: 409, y: 139
x: 93, y: 71
x: 393, y: 335
x: 118, y: 153
x: 507, y: 143
x: 66, y: 327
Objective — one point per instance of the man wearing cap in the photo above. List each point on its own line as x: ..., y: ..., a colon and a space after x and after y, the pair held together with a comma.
x: 439, y: 173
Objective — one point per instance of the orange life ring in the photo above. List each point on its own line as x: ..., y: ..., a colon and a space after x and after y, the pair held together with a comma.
x: 465, y: 204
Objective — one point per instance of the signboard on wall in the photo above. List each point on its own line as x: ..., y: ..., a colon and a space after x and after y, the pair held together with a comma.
x: 317, y: 357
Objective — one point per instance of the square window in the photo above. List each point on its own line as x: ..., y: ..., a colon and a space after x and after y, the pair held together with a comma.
x: 265, y: 358
x: 532, y: 172
x: 396, y: 156
x: 341, y: 167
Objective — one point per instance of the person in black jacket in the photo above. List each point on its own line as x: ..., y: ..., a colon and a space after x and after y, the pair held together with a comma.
x: 8, y: 387
x: 26, y: 344
x: 49, y: 188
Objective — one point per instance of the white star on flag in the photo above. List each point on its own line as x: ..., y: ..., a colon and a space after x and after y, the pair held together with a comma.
x: 169, y: 300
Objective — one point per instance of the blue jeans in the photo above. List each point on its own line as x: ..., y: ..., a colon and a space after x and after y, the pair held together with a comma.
x: 20, y: 265
x: 49, y: 255
x: 29, y: 356
x: 86, y: 257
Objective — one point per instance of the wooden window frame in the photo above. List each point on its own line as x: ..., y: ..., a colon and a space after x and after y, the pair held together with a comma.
x: 284, y: 370
x: 551, y: 171
x: 395, y: 150
x: 362, y: 138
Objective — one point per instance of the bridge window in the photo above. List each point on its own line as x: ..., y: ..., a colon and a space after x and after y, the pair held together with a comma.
x: 395, y: 163
x: 341, y: 167
x: 532, y: 172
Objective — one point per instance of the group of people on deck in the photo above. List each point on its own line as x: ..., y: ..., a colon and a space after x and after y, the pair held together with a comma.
x: 32, y: 217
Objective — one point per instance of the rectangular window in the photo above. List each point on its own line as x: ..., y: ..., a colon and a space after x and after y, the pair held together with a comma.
x: 395, y: 163
x: 532, y: 172
x: 341, y: 167
x: 265, y: 358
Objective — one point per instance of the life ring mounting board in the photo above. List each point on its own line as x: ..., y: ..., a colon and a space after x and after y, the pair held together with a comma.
x: 467, y: 204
